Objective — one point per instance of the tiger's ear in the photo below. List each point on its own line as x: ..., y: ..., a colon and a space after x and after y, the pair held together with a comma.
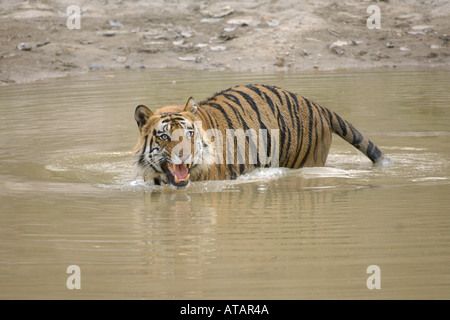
x: 191, y: 106
x: 141, y: 115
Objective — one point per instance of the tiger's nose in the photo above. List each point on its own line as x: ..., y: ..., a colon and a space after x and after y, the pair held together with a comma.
x: 182, y: 157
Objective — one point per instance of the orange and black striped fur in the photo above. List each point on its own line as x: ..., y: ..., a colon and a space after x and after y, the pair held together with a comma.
x: 302, y: 130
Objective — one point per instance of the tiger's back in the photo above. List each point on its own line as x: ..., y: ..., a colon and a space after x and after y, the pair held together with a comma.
x: 298, y: 131
x: 305, y: 128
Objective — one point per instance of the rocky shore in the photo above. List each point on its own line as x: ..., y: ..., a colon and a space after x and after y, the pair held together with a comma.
x: 41, y: 39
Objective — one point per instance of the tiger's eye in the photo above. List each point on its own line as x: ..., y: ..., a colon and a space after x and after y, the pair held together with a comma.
x: 164, y: 137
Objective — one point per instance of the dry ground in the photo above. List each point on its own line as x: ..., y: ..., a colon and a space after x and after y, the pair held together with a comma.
x: 277, y: 35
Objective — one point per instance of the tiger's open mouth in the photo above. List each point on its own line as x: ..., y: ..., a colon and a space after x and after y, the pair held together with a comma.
x: 178, y: 174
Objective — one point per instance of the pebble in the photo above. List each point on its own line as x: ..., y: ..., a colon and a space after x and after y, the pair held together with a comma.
x: 336, y: 47
x: 218, y: 48
x: 338, y: 51
x: 273, y: 23
x: 190, y: 59
x: 223, y: 12
x: 44, y: 43
x: 95, y: 67
x: 421, y: 27
x: 178, y: 42
x: 230, y: 29
x: 114, y: 23
x: 109, y: 34
x: 411, y: 16
x: 338, y: 43
x: 120, y: 58
x: 226, y: 37
x: 415, y: 32
x: 243, y: 21
x: 186, y: 34
x: 24, y: 46
x: 85, y: 42
x: 211, y: 20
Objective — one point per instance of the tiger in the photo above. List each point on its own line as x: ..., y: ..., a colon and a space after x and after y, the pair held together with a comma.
x: 203, y: 141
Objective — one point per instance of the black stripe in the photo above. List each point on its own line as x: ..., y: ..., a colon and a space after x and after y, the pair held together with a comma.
x: 238, y: 116
x: 289, y: 106
x: 343, y: 125
x: 376, y: 154
x: 145, y: 144
x: 357, y: 136
x: 205, y: 114
x: 280, y: 118
x: 210, y: 119
x: 178, y: 119
x: 254, y: 89
x: 270, y: 103
x: 369, y: 149
x: 253, y: 105
x: 316, y: 143
x: 233, y: 98
x: 224, y: 113
x: 231, y: 172
x: 320, y: 112
x: 268, y: 147
x: 274, y: 90
x: 166, y: 114
x: 283, y: 132
x: 297, y: 106
x: 311, y: 124
x: 324, y: 112
x: 142, y: 159
x: 150, y: 149
x: 330, y: 119
x: 295, y: 116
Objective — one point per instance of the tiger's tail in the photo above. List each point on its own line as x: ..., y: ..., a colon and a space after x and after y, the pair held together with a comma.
x: 349, y: 133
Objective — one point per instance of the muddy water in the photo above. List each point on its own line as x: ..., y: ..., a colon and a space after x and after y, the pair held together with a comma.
x: 69, y: 196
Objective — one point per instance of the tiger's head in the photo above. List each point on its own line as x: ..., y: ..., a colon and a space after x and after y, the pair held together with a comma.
x: 171, y: 148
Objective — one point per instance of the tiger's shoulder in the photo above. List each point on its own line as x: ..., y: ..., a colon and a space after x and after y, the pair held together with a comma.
x: 252, y: 90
